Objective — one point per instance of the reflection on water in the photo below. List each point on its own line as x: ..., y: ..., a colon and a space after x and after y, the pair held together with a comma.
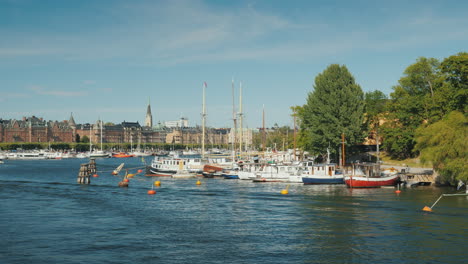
x: 47, y: 218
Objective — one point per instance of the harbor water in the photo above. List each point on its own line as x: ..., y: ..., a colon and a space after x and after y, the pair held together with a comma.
x: 46, y: 217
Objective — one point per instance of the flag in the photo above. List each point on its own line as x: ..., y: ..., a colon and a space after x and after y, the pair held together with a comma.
x: 460, y: 184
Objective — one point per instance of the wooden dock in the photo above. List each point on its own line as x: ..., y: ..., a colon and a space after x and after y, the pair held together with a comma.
x: 425, y: 178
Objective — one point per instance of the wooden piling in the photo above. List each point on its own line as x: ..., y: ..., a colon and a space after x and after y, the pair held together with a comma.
x: 84, y: 176
x: 92, y: 166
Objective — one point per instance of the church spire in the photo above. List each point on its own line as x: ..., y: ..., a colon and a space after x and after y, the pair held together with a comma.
x: 71, y: 121
x: 149, y: 116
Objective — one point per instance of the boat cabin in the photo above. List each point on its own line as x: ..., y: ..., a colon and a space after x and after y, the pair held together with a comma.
x: 329, y: 169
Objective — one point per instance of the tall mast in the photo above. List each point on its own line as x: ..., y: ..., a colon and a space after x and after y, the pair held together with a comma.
x: 203, y: 121
x: 234, y: 118
x: 263, y: 129
x: 378, y: 152
x: 294, y: 134
x: 343, y: 160
x: 101, y: 135
x: 90, y: 141
x: 240, y: 120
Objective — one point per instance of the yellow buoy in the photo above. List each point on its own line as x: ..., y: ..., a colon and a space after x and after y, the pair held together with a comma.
x: 427, y: 209
x: 285, y: 191
x: 198, y: 182
x: 130, y: 175
x: 157, y: 183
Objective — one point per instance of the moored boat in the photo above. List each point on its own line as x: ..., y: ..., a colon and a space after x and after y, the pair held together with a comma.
x: 321, y: 174
x: 169, y: 166
x: 122, y: 155
x: 26, y: 156
x: 370, y: 182
x: 276, y: 173
x: 368, y: 175
x: 99, y: 154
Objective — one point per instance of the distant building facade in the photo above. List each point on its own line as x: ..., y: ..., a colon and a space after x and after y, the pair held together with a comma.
x: 34, y: 129
x: 183, y: 122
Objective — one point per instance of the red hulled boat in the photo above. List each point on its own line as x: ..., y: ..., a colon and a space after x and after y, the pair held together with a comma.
x: 366, y: 176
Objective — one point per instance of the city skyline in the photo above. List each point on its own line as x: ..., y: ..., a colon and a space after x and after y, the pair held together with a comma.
x: 104, y: 60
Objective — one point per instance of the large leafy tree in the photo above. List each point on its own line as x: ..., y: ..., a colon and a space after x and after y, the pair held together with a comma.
x: 445, y: 145
x: 455, y: 73
x: 376, y: 106
x: 335, y: 106
x: 412, y: 103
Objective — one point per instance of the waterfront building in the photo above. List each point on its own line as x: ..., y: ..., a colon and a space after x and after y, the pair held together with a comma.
x: 34, y: 129
x: 182, y: 122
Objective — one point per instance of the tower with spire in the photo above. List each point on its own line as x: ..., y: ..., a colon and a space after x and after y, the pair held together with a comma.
x: 72, y: 124
x: 149, y: 117
x: 71, y: 121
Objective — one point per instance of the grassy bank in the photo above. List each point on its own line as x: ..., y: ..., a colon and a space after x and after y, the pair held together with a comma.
x: 414, y: 162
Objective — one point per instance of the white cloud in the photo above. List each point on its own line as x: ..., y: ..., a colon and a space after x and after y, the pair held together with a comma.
x: 178, y: 32
x: 59, y: 93
x: 89, y: 82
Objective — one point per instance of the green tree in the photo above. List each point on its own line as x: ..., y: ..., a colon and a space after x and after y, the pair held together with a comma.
x: 413, y: 102
x: 84, y: 139
x: 376, y: 103
x: 445, y: 144
x: 455, y: 73
x: 335, y: 106
x: 279, y: 137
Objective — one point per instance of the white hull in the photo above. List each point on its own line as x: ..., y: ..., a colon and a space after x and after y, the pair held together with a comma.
x: 184, y: 174
x: 246, y: 175
x: 26, y: 156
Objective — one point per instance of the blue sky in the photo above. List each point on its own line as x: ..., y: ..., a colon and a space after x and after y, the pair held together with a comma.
x: 104, y: 59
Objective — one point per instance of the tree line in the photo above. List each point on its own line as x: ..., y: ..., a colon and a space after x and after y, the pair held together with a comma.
x: 425, y: 115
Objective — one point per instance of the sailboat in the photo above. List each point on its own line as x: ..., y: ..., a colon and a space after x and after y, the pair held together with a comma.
x: 138, y: 152
x: 98, y: 153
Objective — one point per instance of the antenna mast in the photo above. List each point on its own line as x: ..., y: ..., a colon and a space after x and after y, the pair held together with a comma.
x: 240, y: 120
x: 203, y: 121
x: 234, y: 118
x: 263, y: 134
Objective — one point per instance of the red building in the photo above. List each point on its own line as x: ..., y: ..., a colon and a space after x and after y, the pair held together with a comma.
x: 35, y: 129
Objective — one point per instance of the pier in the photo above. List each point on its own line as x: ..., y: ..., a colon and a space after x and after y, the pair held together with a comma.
x: 419, y: 179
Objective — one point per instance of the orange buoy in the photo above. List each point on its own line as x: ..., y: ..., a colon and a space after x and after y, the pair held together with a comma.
x: 427, y: 209
x: 95, y: 175
x: 123, y: 184
x: 397, y: 191
x: 140, y: 171
x: 125, y: 180
x: 151, y: 192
